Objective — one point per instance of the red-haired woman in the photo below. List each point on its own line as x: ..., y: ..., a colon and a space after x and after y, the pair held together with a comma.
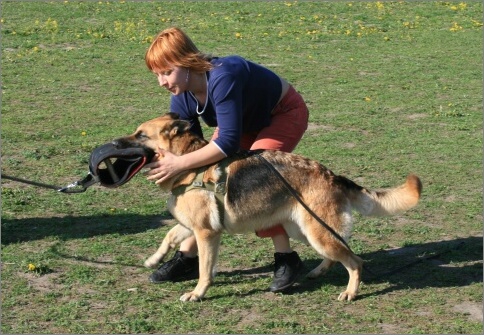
x: 251, y: 108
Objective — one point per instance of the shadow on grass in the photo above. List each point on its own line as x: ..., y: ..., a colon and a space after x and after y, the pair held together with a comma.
x: 70, y: 227
x: 439, y: 264
x: 450, y: 263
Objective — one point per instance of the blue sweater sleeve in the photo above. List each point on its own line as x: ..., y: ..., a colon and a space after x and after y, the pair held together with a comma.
x: 227, y: 99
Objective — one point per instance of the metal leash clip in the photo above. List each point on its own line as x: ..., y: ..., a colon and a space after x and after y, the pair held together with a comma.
x: 83, y: 183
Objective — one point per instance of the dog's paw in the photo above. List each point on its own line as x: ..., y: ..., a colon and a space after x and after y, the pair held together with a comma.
x: 190, y: 296
x: 151, y: 263
x: 346, y: 296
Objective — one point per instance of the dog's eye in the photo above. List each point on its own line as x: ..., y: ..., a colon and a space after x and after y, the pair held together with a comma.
x: 142, y: 136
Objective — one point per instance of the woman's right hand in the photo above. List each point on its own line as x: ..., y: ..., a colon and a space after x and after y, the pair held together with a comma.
x: 164, y: 166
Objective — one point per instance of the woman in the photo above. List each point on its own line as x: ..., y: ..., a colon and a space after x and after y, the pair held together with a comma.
x: 251, y: 108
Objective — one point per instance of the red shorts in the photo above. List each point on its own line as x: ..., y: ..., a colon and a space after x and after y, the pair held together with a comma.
x: 288, y: 123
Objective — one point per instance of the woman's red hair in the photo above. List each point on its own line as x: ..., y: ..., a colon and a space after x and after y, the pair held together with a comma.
x: 172, y: 47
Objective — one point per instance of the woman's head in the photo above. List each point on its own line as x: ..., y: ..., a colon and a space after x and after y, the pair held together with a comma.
x: 172, y: 47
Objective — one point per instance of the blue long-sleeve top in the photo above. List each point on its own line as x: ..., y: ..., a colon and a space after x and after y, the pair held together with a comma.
x: 241, y: 97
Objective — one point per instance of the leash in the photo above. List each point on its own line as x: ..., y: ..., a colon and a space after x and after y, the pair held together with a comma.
x: 337, y: 236
x: 83, y: 183
x: 110, y: 164
x: 298, y: 198
x: 310, y: 211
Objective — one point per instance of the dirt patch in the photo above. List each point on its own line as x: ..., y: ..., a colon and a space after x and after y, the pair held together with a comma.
x: 417, y: 116
x: 314, y: 126
x: 390, y: 329
x: 45, y: 283
x: 248, y: 318
x: 471, y: 309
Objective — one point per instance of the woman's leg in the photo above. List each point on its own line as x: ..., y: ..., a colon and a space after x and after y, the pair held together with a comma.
x: 189, y: 247
x: 288, y: 124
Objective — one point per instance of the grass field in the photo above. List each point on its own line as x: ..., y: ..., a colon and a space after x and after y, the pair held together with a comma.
x: 392, y: 87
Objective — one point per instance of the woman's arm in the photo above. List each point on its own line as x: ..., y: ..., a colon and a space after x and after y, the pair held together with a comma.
x: 171, y: 165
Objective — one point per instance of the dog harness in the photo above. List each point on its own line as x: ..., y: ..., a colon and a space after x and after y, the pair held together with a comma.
x: 219, y: 189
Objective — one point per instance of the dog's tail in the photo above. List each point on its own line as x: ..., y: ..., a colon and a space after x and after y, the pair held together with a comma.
x: 386, y: 201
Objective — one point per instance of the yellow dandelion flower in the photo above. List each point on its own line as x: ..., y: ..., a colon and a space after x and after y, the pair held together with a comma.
x: 455, y: 27
x: 367, y: 99
x: 31, y: 267
x: 83, y: 133
x: 238, y: 35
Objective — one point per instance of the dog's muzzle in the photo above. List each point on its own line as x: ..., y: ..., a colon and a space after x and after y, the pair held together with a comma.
x: 113, y: 166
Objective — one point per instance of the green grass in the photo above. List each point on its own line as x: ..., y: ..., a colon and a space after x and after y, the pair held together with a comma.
x: 392, y: 87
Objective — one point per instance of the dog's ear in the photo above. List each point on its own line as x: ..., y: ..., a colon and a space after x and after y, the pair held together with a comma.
x: 176, y: 128
x: 173, y: 116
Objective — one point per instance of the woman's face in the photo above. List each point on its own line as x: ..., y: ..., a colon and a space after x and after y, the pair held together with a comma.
x: 174, y: 80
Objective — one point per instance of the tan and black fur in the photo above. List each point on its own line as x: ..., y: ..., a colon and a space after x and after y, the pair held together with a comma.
x: 257, y: 199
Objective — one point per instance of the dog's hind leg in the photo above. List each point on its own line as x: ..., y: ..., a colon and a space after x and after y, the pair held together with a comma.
x: 208, y: 242
x: 174, y: 237
x: 332, y: 250
x: 321, y: 269
x: 354, y: 266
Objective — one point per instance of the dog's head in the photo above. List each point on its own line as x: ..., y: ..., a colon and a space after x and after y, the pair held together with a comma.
x: 166, y: 132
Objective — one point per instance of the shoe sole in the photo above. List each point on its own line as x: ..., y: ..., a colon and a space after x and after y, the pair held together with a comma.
x: 172, y: 280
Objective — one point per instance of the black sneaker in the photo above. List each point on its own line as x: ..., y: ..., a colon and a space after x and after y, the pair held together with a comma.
x: 287, y: 269
x: 179, y: 268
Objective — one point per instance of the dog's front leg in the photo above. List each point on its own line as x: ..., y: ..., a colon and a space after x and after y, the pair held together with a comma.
x: 174, y: 237
x: 208, y: 242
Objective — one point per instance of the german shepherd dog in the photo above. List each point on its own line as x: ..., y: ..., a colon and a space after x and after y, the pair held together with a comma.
x: 255, y: 198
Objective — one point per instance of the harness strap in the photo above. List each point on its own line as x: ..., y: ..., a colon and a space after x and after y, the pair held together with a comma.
x: 218, y: 189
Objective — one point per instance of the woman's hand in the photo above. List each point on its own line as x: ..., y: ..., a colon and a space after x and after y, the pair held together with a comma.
x: 164, y: 166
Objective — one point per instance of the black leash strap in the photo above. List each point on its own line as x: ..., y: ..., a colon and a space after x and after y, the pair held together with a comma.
x: 25, y: 181
x: 310, y: 211
x: 298, y: 198
x: 83, y: 183
x: 335, y: 234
